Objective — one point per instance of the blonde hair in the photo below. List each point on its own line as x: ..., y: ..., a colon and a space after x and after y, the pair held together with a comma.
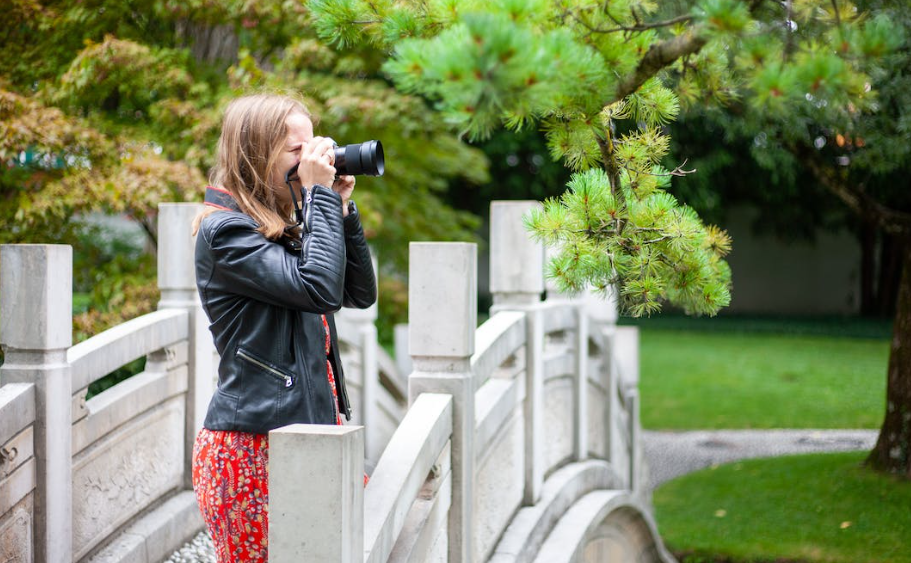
x: 252, y: 133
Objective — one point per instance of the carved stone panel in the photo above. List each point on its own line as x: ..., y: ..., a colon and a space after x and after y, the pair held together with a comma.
x: 124, y: 473
x: 499, y: 485
x: 597, y: 422
x: 16, y: 533
x: 559, y: 411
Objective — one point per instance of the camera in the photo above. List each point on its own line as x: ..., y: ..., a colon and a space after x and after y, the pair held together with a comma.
x: 351, y: 160
x: 362, y: 158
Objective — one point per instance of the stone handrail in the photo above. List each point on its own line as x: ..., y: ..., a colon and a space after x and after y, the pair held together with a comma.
x: 495, y: 341
x: 17, y: 409
x: 413, y: 452
x: 105, y: 478
x: 101, y: 354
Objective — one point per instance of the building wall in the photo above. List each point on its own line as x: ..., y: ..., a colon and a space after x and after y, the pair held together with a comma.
x: 798, y: 278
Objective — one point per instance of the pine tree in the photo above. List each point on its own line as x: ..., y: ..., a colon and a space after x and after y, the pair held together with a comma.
x: 603, y: 78
x: 595, y: 77
x: 859, y: 158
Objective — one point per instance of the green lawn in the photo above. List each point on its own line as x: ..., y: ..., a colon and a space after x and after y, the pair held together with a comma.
x: 710, y: 379
x: 821, y: 508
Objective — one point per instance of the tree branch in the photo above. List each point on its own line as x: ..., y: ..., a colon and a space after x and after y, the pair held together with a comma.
x: 890, y: 220
x: 663, y: 54
x: 630, y: 28
x: 658, y: 56
x: 147, y: 227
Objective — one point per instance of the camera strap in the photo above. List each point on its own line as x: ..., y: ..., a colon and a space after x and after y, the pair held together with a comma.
x: 298, y: 211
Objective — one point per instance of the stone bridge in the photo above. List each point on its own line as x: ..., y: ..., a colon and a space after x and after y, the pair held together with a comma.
x: 514, y: 441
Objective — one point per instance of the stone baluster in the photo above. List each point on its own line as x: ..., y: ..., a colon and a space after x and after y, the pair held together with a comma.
x: 580, y: 385
x: 517, y: 283
x: 362, y: 323
x: 177, y: 282
x: 442, y: 315
x: 400, y: 343
x: 516, y: 261
x: 583, y: 304
x: 316, y: 494
x: 36, y: 327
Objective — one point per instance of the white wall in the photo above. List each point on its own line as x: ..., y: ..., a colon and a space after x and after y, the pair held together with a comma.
x: 774, y: 277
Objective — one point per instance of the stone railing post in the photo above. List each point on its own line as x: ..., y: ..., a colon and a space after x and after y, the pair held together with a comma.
x: 362, y: 323
x: 442, y: 318
x: 516, y: 262
x: 177, y: 282
x: 36, y: 328
x: 601, y: 312
x: 316, y: 494
x: 580, y: 385
x: 582, y: 305
x: 400, y: 343
x: 517, y: 282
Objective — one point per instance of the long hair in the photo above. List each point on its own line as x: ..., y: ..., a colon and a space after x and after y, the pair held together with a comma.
x: 252, y: 133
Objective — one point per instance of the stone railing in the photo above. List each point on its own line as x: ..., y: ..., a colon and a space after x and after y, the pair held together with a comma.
x: 494, y: 436
x: 109, y: 476
x: 511, y: 426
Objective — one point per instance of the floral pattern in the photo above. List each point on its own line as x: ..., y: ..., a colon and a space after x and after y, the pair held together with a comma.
x: 231, y: 481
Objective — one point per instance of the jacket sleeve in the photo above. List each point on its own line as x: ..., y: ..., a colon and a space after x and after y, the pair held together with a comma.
x: 247, y: 263
x: 360, y: 279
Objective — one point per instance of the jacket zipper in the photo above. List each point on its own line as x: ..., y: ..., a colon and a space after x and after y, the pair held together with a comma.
x: 288, y: 380
x: 306, y: 230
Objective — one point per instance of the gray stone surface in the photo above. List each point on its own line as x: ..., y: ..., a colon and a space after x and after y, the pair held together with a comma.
x: 671, y: 454
x: 199, y: 550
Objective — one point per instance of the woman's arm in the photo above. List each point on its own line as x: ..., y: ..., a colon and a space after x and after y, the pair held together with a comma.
x: 360, y: 279
x: 246, y: 263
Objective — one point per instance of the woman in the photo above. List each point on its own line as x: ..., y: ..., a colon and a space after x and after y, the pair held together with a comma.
x: 277, y: 252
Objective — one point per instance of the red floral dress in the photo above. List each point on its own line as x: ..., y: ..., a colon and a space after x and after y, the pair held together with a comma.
x: 231, y: 481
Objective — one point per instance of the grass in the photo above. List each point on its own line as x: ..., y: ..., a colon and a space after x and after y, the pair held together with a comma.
x: 758, y: 379
x: 822, y: 508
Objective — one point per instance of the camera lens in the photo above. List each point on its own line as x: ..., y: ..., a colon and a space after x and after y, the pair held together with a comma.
x: 362, y: 158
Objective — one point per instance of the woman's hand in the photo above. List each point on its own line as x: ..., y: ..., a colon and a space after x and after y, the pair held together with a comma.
x: 343, y: 186
x: 317, y: 163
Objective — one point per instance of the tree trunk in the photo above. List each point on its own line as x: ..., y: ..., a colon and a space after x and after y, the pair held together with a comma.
x: 867, y: 268
x: 892, y: 452
x: 890, y: 273
x: 209, y: 43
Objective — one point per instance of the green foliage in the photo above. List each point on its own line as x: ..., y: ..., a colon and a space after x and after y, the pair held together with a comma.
x: 592, y: 77
x: 648, y: 248
x: 114, y: 107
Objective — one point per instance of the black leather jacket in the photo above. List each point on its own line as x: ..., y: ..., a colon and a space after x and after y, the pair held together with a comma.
x: 264, y: 300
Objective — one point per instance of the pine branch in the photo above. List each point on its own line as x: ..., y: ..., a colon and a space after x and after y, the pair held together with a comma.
x: 890, y: 220
x: 620, y: 27
x: 658, y: 56
x: 678, y: 171
x: 835, y: 11
x: 609, y: 159
x: 664, y: 54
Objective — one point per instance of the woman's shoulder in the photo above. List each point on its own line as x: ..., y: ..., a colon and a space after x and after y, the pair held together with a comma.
x: 223, y: 217
x: 223, y: 222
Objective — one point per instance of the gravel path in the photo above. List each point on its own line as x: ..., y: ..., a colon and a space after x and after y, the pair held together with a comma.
x: 199, y: 550
x: 671, y: 454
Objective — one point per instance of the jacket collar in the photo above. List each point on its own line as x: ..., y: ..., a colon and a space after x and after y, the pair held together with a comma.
x: 220, y: 198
